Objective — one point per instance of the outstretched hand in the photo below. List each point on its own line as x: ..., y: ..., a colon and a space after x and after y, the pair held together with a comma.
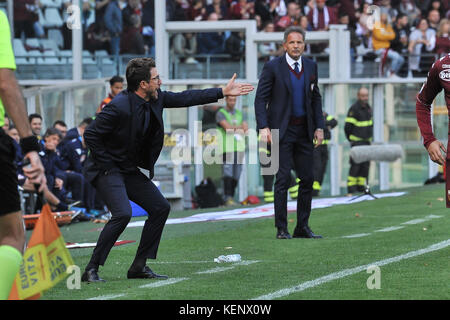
x: 237, y: 89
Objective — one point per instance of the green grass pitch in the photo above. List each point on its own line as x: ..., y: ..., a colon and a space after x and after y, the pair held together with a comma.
x: 269, y: 265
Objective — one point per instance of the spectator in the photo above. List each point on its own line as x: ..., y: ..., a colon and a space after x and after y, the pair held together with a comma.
x: 385, y: 6
x: 401, y: 29
x: 309, y: 6
x: 442, y: 38
x: 265, y: 9
x: 235, y: 45
x: 291, y: 19
x: 320, y: 19
x: 409, y: 8
x: 197, y: 10
x: 354, y: 39
x: 433, y: 19
x: 35, y: 120
x: 304, y: 24
x: 242, y: 10
x: 349, y: 7
x: 100, y: 8
x: 185, y: 46
x: 322, y: 16
x: 280, y: 8
x: 113, y: 23
x: 219, y: 7
x: 25, y: 16
x: 211, y: 42
x: 421, y: 41
x: 132, y: 41
x: 177, y: 10
x: 437, y: 5
x: 116, y: 86
x: 148, y: 26
x: 268, y: 51
x: 365, y: 30
x: 382, y: 36
x: 400, y: 42
x: 97, y: 38
x: 128, y: 12
x: 86, y: 13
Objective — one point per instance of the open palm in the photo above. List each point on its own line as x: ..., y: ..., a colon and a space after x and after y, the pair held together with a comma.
x: 237, y: 89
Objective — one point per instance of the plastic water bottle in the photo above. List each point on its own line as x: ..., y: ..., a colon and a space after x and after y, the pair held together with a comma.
x: 228, y: 258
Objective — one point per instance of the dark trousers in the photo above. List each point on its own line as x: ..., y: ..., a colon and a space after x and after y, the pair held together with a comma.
x: 295, y: 147
x: 320, y: 162
x: 358, y: 176
x: 116, y: 190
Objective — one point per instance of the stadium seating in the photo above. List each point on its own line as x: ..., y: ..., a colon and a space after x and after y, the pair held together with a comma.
x: 52, y: 18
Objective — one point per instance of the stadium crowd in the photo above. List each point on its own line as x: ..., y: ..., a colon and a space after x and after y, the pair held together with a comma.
x: 408, y: 37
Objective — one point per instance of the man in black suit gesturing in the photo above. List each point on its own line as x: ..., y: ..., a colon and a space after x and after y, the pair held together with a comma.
x: 128, y: 133
x: 288, y: 99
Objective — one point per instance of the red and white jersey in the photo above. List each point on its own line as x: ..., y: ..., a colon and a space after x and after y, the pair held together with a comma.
x: 438, y: 78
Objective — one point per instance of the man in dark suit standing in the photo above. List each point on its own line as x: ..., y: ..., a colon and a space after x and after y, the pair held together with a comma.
x: 127, y: 135
x: 288, y: 99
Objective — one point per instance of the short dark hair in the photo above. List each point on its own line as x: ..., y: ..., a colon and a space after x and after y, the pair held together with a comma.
x: 33, y: 116
x: 293, y: 29
x: 400, y: 15
x: 86, y: 122
x: 51, y: 132
x: 59, y: 123
x: 138, y: 70
x: 115, y: 79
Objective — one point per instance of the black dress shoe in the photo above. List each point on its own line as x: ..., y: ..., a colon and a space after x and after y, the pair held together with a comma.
x: 283, y: 235
x: 91, y: 275
x: 145, y: 273
x: 305, y: 232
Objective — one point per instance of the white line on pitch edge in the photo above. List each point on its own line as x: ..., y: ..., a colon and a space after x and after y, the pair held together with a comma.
x: 410, y: 222
x: 348, y: 272
x: 107, y: 297
x: 221, y: 269
x: 358, y: 235
x: 389, y: 229
x: 161, y: 283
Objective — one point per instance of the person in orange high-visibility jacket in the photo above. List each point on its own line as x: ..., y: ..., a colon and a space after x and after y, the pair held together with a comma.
x: 116, y: 83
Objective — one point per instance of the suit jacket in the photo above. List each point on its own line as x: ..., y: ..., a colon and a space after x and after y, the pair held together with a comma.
x: 273, y: 101
x: 113, y: 131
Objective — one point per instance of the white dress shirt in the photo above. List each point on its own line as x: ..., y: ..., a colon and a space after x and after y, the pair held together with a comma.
x: 291, y: 62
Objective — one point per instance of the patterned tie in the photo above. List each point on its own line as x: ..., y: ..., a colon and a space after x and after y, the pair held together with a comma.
x: 296, y: 69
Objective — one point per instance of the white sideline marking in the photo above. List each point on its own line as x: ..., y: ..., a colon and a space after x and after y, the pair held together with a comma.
x: 221, y: 269
x: 358, y: 235
x: 410, y: 222
x: 246, y: 262
x: 389, y: 229
x: 351, y: 271
x: 417, y: 221
x: 107, y: 297
x: 176, y: 262
x: 161, y: 283
x: 215, y: 270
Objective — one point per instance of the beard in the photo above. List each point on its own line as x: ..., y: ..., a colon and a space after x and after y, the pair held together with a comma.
x: 153, y: 95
